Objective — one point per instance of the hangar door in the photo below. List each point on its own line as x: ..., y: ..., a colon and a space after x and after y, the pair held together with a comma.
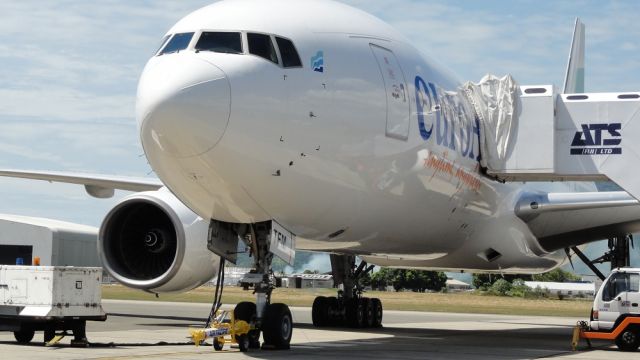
x: 398, y: 111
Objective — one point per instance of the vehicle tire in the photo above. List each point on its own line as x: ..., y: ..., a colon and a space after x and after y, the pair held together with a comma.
x: 247, y: 311
x: 628, y: 340
x: 80, y: 331
x: 355, y: 313
x: 49, y: 334
x: 277, y: 326
x: 217, y: 345
x: 243, y: 342
x: 377, y: 312
x: 368, y: 312
x: 24, y: 336
x: 319, y: 311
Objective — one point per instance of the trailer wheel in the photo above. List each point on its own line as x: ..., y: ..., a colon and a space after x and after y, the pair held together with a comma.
x: 217, y: 345
x: 628, y: 340
x: 49, y: 334
x: 24, y: 336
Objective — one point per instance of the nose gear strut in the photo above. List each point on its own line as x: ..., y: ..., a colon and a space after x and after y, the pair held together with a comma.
x: 274, y: 321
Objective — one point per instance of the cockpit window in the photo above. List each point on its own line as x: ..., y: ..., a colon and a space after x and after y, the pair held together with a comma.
x: 261, y: 45
x: 163, y: 43
x: 288, y: 53
x: 221, y: 42
x: 178, y: 42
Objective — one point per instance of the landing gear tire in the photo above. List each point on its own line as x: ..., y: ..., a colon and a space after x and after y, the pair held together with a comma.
x: 333, y: 315
x: 243, y: 342
x: 217, y: 345
x: 377, y: 312
x: 629, y: 340
x: 277, y: 326
x: 355, y: 313
x: 368, y: 312
x: 247, y: 311
x: 319, y: 311
x: 24, y: 336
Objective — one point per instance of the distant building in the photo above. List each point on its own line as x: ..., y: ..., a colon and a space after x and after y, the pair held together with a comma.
x: 304, y: 281
x: 564, y: 288
x: 454, y: 285
x: 232, y: 275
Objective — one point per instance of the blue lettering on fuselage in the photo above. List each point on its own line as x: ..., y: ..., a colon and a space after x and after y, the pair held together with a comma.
x: 428, y: 103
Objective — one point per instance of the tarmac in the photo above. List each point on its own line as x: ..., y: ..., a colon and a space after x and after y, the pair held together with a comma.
x: 159, y: 330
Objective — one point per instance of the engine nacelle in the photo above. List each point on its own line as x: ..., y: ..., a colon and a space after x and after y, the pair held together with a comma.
x: 151, y: 241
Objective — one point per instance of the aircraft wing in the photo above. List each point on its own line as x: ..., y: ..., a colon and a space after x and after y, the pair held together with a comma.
x: 97, y: 185
x: 561, y: 220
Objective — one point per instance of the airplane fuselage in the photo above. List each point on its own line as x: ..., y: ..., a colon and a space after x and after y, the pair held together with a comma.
x: 349, y: 151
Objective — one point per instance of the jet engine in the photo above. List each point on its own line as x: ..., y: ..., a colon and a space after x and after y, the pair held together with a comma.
x: 151, y: 241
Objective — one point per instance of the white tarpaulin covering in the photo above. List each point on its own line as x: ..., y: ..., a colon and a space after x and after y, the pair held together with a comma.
x: 494, y: 101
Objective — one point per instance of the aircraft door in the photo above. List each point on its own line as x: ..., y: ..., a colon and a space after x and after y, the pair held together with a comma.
x: 398, y: 110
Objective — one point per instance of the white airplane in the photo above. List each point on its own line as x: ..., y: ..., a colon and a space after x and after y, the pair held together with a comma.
x: 312, y: 125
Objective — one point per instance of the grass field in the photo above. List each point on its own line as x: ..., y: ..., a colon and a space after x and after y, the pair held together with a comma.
x: 450, y: 302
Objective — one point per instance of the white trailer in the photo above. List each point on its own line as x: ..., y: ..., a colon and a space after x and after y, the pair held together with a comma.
x: 49, y: 299
x: 56, y: 243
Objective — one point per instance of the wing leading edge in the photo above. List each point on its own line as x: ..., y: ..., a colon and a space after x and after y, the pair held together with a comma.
x: 561, y: 220
x: 97, y: 185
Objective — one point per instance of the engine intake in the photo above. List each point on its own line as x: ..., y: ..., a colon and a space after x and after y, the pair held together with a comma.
x: 151, y: 241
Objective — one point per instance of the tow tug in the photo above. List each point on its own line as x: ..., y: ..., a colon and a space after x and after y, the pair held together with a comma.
x: 615, y: 315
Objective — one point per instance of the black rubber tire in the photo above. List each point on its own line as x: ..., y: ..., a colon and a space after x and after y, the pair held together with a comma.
x: 368, y: 312
x: 333, y: 319
x: 243, y: 342
x: 24, y: 336
x: 628, y: 340
x: 49, y: 335
x: 247, y: 311
x: 377, y: 312
x: 319, y: 311
x: 216, y: 344
x: 80, y: 331
x: 355, y: 313
x: 277, y: 326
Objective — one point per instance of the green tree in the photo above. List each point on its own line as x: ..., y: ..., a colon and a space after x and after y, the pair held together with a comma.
x: 415, y: 280
x: 556, y: 275
x: 501, y: 287
x: 484, y: 281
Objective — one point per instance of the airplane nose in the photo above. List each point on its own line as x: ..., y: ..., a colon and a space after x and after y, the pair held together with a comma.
x: 183, y: 105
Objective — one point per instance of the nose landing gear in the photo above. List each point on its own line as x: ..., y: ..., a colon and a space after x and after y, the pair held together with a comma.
x: 349, y: 308
x: 273, y: 320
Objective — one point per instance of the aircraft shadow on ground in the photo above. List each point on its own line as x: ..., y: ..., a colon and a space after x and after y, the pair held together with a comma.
x: 401, y: 342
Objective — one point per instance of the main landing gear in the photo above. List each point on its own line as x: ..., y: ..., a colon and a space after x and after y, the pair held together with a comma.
x: 349, y: 308
x: 273, y: 320
x: 619, y: 254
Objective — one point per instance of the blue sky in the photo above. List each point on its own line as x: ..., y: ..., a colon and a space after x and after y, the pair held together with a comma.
x: 69, y: 69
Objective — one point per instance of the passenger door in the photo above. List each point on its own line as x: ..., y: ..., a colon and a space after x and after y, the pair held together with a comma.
x: 398, y: 110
